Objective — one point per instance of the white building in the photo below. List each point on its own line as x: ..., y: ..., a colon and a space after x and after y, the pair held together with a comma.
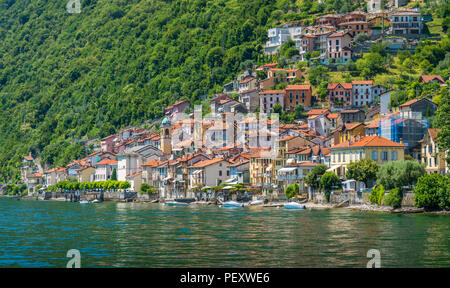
x: 278, y: 36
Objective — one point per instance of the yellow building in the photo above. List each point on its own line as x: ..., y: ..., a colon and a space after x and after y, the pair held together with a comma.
x: 377, y: 148
x: 349, y: 131
x: 86, y: 174
x: 433, y: 159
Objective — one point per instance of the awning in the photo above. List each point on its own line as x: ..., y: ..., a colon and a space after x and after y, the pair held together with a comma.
x: 230, y: 180
x: 197, y: 172
x: 289, y: 169
x: 332, y: 168
x: 269, y: 168
x: 227, y: 187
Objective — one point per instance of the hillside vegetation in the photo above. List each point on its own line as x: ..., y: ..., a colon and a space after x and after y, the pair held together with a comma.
x: 66, y: 77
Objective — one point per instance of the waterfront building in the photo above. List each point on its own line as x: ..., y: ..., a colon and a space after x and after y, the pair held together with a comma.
x: 376, y: 148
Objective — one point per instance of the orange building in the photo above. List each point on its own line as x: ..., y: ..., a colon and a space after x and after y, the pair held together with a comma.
x: 297, y: 94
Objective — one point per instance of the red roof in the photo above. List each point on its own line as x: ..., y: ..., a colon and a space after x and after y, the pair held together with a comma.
x: 344, y: 85
x: 205, y: 163
x: 107, y: 162
x: 433, y: 133
x: 28, y: 157
x: 364, y: 82
x: 369, y: 141
x: 298, y: 87
x: 317, y: 111
x: 428, y: 78
x: 35, y: 175
x: 271, y: 92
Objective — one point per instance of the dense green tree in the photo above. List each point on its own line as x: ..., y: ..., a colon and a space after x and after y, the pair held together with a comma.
x: 328, y: 181
x: 313, y: 177
x: 432, y: 192
x: 400, y: 173
x: 363, y: 170
x: 318, y: 74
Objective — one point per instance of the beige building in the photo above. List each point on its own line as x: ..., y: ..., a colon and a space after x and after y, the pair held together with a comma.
x: 209, y: 172
x: 433, y: 159
x: 86, y: 174
x: 377, y: 148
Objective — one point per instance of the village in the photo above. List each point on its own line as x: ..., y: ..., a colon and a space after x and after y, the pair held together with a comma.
x: 227, y: 156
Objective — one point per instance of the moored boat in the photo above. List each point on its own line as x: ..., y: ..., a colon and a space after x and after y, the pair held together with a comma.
x: 231, y: 204
x: 293, y: 205
x: 84, y: 202
x: 175, y: 203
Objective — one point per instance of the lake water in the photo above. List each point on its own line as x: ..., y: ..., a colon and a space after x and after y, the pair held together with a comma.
x: 39, y: 234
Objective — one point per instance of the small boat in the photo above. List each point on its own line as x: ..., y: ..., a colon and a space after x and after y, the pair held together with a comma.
x: 257, y: 202
x: 95, y: 201
x: 175, y: 203
x: 231, y: 204
x: 84, y: 202
x: 294, y: 205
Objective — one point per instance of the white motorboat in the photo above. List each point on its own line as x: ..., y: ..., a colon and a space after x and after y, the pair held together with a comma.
x: 293, y: 205
x: 257, y: 202
x: 231, y: 204
x: 84, y: 202
x: 175, y: 203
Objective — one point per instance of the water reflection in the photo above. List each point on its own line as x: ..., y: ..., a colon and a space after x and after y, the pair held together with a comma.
x: 38, y: 234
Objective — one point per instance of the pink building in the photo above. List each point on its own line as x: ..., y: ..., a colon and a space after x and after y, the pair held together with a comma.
x: 336, y: 44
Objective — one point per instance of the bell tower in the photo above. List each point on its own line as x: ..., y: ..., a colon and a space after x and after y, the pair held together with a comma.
x: 166, y: 137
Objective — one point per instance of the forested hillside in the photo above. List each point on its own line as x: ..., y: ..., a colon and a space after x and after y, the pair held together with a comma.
x: 65, y: 77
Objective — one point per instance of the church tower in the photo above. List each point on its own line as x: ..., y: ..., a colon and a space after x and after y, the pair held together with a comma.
x: 166, y: 137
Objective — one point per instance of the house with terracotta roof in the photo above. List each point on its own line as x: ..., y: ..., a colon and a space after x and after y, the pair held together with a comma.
x: 340, y: 95
x: 177, y: 107
x: 297, y: 94
x: 209, y: 172
x: 294, y: 172
x: 278, y: 75
x: 362, y: 93
x: 104, y: 169
x: 418, y: 108
x: 130, y: 160
x: 349, y: 131
x: 267, y: 67
x: 432, y: 157
x: 319, y: 123
x: 431, y: 78
x: 86, y: 174
x: 376, y: 148
x: 32, y: 181
x: 27, y: 167
x: 335, y: 120
x: 268, y: 99
x: 353, y: 115
x: 338, y: 47
x: 250, y: 98
x: 356, y: 27
x: 372, y: 127
x: 135, y: 181
x: 248, y: 83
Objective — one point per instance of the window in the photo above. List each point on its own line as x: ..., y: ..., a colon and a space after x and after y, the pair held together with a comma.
x: 385, y: 156
x: 394, y: 155
x: 375, y: 155
x: 220, y: 172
